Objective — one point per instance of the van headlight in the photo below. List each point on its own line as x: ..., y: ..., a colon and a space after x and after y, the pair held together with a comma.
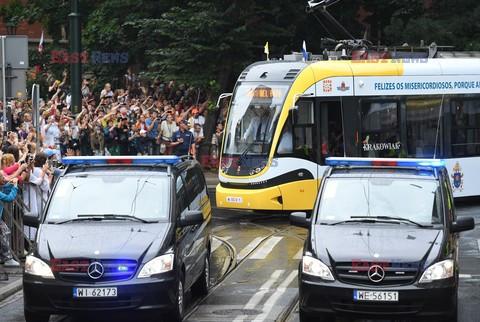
x: 438, y: 271
x: 160, y: 264
x: 37, y: 267
x: 314, y: 267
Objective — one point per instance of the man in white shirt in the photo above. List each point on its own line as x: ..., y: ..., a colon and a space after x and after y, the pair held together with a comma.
x: 258, y: 126
x: 167, y: 128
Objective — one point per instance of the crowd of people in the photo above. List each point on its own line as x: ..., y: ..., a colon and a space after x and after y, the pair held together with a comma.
x: 159, y: 118
x: 139, y: 118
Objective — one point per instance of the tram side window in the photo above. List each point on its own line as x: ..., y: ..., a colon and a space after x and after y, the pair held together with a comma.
x: 380, y: 129
x: 302, y: 124
x: 422, y: 126
x: 465, y: 127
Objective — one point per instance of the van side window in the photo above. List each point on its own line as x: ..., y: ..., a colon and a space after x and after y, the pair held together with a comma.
x: 193, y: 188
x: 180, y: 195
x: 200, y: 186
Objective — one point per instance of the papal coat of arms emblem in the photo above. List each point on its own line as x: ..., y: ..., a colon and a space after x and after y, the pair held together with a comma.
x: 457, y: 177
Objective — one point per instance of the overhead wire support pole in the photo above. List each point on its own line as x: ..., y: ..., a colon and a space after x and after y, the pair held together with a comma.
x: 75, y: 68
x: 4, y: 81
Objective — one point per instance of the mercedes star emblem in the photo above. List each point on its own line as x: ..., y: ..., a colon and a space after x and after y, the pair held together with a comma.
x: 95, y: 270
x: 376, y: 273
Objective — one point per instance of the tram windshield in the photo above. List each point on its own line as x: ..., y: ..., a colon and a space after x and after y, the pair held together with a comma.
x: 252, y: 118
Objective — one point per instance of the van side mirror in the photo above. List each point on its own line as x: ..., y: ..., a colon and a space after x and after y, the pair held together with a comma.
x: 31, y: 219
x: 300, y: 219
x: 462, y: 224
x: 191, y: 218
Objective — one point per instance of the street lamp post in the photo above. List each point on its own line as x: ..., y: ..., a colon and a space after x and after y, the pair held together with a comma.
x: 75, y: 68
x: 11, y: 28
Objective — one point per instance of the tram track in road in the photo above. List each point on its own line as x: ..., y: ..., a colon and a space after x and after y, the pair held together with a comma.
x: 262, y: 247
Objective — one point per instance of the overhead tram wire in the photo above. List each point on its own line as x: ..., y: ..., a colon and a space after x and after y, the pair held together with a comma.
x: 324, y: 27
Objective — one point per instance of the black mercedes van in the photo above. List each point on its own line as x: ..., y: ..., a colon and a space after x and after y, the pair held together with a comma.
x: 120, y: 234
x: 382, y: 242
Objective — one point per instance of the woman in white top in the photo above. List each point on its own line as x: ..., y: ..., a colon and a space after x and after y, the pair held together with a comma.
x: 37, y: 188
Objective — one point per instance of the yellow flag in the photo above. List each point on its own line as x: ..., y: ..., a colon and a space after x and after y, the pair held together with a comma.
x: 266, y: 51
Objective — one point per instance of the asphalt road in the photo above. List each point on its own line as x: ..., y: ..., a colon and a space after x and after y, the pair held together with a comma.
x: 254, y: 271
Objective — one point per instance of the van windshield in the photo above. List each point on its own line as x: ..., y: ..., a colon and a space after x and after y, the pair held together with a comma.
x: 416, y: 200
x: 145, y: 197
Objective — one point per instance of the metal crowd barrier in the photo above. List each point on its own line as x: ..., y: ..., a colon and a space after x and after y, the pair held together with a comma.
x: 21, y: 237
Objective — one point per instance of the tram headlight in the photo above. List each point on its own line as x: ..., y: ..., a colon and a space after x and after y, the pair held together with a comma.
x: 257, y: 169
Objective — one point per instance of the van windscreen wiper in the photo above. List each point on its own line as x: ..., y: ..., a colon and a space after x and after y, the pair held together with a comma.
x: 360, y: 219
x: 394, y: 218
x: 100, y: 217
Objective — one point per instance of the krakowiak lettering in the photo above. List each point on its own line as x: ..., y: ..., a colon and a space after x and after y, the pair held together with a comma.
x: 381, y: 146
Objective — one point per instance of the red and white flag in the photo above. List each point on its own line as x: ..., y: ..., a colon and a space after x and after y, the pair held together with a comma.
x: 40, y: 49
x: 40, y: 45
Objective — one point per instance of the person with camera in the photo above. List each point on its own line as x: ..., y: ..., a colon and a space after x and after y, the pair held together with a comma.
x: 8, y: 194
x: 122, y: 131
x: 97, y: 141
x: 37, y: 187
x: 153, y: 124
x: 85, y: 128
x: 111, y: 137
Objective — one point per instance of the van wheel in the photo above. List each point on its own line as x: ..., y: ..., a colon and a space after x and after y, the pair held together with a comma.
x: 177, y: 313
x: 202, y: 284
x: 36, y: 317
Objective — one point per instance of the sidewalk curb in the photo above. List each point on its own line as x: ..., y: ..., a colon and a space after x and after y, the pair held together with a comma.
x: 10, y: 289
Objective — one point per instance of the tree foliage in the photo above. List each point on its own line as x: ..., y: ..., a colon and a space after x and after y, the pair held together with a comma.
x: 200, y: 41
x: 448, y: 23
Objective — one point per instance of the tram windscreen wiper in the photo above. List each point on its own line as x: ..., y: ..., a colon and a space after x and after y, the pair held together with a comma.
x: 393, y: 218
x: 242, y: 156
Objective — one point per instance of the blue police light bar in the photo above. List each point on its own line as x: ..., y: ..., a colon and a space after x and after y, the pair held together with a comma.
x: 385, y: 162
x: 95, y: 160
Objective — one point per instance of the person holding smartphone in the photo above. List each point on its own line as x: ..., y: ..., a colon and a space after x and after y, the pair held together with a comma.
x: 36, y: 190
x: 8, y: 194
